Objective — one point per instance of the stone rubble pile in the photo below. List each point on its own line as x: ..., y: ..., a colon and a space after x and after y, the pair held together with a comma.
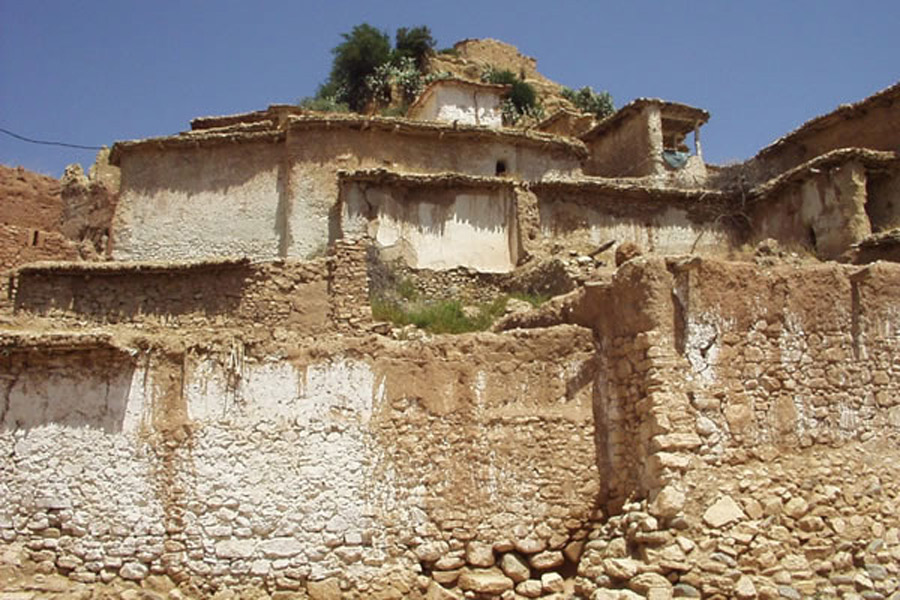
x: 516, y: 568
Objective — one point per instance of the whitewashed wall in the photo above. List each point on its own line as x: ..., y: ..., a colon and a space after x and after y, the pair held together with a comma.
x: 441, y: 230
x: 199, y: 203
x: 463, y: 104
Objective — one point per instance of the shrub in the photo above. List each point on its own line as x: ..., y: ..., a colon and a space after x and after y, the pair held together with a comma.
x: 327, y: 104
x: 521, y: 101
x: 365, y: 66
x: 504, y: 76
x: 587, y: 100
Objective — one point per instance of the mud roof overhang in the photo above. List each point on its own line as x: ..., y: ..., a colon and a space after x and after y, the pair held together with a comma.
x: 270, y: 116
x: 635, y: 195
x: 496, y: 88
x: 54, y: 341
x: 885, y: 97
x: 49, y: 268
x: 443, y: 180
x: 265, y: 131
x: 682, y: 117
x: 241, y: 133
x: 628, y: 188
x: 872, y: 160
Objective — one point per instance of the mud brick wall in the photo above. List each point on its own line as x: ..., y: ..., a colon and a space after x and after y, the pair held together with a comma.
x: 291, y: 294
x: 20, y: 245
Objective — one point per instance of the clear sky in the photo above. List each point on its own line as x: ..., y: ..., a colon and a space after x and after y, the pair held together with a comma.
x: 95, y: 72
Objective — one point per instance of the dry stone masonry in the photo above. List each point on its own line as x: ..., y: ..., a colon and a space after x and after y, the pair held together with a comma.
x: 196, y: 401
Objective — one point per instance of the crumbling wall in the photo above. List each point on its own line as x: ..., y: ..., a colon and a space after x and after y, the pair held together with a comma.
x: 23, y: 245
x: 883, y: 200
x: 89, y: 202
x: 358, y: 465
x: 583, y: 219
x: 825, y: 212
x: 238, y: 294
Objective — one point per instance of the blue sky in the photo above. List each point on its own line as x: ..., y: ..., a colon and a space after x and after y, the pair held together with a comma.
x: 95, y: 72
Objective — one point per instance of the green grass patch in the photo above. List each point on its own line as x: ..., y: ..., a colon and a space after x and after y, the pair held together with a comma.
x: 534, y: 300
x: 439, y: 316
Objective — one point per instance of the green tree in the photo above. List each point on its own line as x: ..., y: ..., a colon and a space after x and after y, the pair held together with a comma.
x: 363, y: 50
x: 415, y: 43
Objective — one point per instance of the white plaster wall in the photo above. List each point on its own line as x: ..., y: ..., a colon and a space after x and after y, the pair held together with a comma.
x: 286, y: 469
x: 74, y: 474
x: 297, y: 479
x: 475, y: 230
x: 199, y: 203
x: 464, y: 105
x: 669, y: 232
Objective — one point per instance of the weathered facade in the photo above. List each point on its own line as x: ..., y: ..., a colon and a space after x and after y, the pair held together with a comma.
x: 460, y: 101
x: 216, y: 410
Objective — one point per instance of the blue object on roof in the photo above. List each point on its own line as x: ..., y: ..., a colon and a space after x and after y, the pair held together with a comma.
x: 676, y: 159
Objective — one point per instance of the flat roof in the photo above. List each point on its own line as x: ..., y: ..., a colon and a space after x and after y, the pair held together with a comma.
x: 447, y: 179
x: 670, y: 111
x: 267, y: 131
x: 871, y: 159
x: 886, y: 96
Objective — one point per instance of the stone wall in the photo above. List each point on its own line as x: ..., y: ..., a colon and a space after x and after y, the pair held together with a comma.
x: 790, y: 358
x: 224, y: 294
x: 358, y: 465
x: 753, y: 415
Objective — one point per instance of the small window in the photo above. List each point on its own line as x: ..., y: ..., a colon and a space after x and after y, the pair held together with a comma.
x: 34, y: 239
x: 500, y: 170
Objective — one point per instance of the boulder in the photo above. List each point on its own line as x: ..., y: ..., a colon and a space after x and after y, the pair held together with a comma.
x: 485, y: 581
x: 722, y: 512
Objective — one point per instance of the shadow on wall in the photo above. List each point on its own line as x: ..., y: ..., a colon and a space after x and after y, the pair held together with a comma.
x: 222, y: 169
x: 66, y: 388
x: 117, y: 297
x: 429, y: 210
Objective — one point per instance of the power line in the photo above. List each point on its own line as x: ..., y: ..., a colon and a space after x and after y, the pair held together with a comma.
x: 45, y: 143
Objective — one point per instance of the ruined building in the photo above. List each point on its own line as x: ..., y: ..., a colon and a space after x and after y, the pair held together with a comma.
x: 709, y: 406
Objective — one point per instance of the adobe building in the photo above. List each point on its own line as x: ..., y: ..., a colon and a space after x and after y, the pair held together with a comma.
x: 699, y: 411
x: 458, y: 100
